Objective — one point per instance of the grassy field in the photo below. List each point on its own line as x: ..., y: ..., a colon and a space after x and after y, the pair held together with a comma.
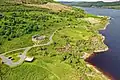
x: 63, y: 59
x: 42, y: 69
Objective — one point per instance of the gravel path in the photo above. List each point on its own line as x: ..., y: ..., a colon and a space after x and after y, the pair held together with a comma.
x: 10, y: 63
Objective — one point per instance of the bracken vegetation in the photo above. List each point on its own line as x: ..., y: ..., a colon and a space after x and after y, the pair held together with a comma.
x: 76, y: 35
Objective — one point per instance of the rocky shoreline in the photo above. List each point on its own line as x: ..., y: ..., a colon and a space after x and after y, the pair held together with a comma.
x: 103, y: 37
x: 88, y: 56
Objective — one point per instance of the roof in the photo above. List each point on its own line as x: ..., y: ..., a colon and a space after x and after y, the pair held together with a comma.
x: 29, y: 59
x: 38, y: 37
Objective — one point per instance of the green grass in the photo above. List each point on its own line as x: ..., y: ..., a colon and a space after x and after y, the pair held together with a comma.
x: 21, y: 22
x: 42, y: 69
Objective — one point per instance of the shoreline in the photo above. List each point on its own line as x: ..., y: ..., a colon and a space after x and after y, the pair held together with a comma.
x: 89, y: 56
x: 98, y: 70
x: 103, y: 39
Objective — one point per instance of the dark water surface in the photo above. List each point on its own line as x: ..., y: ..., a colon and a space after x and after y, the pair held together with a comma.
x: 109, y: 61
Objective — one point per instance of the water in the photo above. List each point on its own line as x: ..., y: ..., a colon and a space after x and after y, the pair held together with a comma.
x: 109, y: 61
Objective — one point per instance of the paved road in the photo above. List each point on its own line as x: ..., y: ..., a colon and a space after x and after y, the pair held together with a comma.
x: 10, y: 63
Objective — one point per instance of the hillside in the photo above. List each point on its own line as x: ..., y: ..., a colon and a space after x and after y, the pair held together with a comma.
x: 99, y: 4
x: 48, y: 41
x: 27, y: 1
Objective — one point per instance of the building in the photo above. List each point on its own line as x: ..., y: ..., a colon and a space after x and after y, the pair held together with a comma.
x: 38, y: 38
x: 29, y: 59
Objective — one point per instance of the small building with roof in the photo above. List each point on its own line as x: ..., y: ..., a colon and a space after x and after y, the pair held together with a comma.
x: 29, y: 59
x: 37, y: 38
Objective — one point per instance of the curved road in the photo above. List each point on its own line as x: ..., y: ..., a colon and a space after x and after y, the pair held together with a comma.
x: 10, y: 63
